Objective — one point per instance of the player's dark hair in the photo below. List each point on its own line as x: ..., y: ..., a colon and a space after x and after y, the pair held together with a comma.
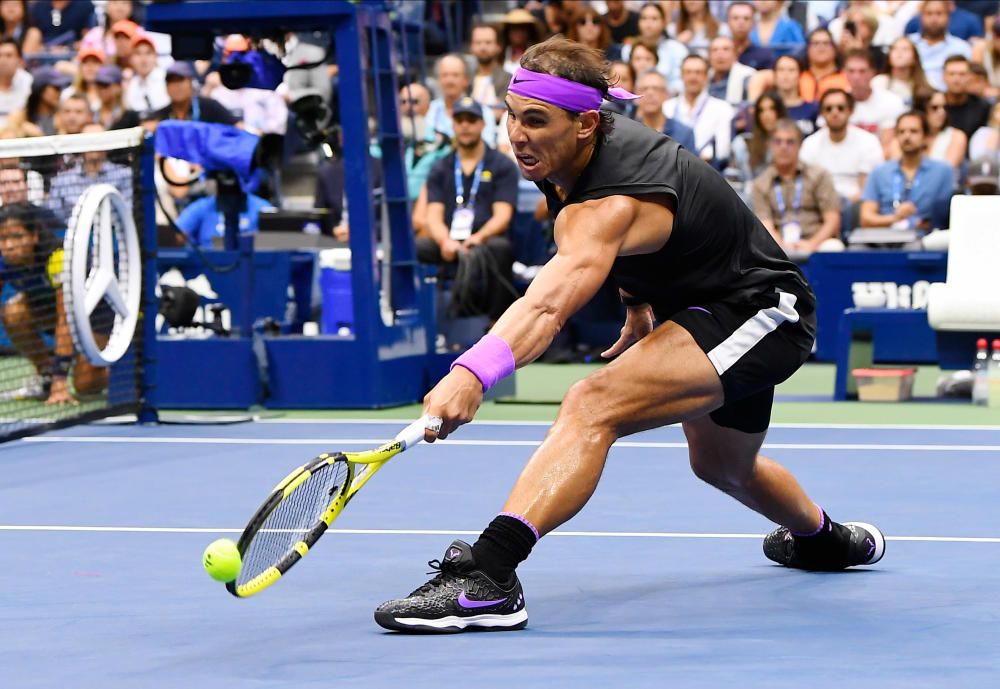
x: 568, y: 59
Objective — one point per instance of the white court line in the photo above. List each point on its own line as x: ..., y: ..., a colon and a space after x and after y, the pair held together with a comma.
x: 373, y: 442
x: 441, y: 532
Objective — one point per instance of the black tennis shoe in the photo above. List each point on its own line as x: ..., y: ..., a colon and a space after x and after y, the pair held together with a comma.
x: 459, y: 598
x: 838, y: 547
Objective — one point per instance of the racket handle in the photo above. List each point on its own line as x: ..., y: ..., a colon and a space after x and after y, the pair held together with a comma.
x: 414, y: 433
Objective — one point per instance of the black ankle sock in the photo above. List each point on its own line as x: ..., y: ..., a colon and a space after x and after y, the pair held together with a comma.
x: 827, y: 547
x: 504, y: 544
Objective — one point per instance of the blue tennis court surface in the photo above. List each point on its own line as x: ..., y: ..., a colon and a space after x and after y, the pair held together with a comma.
x: 659, y: 582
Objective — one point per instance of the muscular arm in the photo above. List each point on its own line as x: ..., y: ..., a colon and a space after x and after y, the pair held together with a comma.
x: 589, y: 237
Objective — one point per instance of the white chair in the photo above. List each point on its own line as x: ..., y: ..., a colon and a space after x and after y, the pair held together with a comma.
x: 969, y: 299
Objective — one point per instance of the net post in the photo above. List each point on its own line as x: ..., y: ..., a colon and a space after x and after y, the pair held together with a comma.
x: 147, y: 412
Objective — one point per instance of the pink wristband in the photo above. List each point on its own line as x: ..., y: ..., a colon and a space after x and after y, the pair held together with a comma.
x: 489, y: 360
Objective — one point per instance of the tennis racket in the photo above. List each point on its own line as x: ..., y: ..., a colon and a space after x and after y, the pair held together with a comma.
x: 303, y: 506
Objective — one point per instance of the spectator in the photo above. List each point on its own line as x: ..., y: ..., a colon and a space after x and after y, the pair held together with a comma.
x: 984, y: 177
x: 871, y: 26
x: 910, y: 193
x: 262, y: 111
x: 739, y: 19
x: 15, y: 83
x: 787, y: 79
x: 90, y: 60
x: 202, y: 221
x: 695, y: 27
x: 795, y: 201
x: 729, y: 78
x: 642, y: 56
x: 43, y: 102
x: 987, y: 53
x: 489, y: 85
x: 822, y: 67
x: 554, y: 17
x: 62, y: 22
x: 961, y: 23
x: 653, y: 89
x: 848, y: 153
x: 92, y: 167
x: 944, y: 142
x: 475, y: 217
x: 752, y: 152
x: 15, y: 23
x: 903, y: 74
x: 965, y: 111
x: 623, y: 75
x: 589, y: 28
x: 102, y: 38
x: 453, y: 83
x: 934, y: 43
x: 622, y: 21
x: 979, y: 82
x: 73, y: 113
x: 27, y: 188
x: 112, y: 112
x: 670, y: 53
x: 985, y: 143
x: 184, y: 105
x: 860, y: 26
x: 123, y: 32
x: 776, y: 31
x: 709, y: 117
x: 520, y: 31
x: 147, y: 89
x: 874, y: 111
x: 421, y: 154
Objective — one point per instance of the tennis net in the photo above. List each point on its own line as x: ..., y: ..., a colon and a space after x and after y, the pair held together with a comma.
x: 71, y: 253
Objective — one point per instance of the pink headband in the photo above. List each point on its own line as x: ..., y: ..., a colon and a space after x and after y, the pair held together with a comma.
x: 564, y: 93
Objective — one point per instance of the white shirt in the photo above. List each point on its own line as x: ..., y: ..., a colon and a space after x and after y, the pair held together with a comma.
x: 149, y: 93
x: 932, y: 56
x: 710, y: 118
x: 16, y: 97
x: 858, y: 154
x: 878, y: 112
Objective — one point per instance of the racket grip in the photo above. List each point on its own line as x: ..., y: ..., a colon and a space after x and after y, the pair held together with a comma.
x: 414, y: 433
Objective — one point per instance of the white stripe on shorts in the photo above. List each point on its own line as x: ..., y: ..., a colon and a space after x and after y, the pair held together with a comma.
x: 746, y: 337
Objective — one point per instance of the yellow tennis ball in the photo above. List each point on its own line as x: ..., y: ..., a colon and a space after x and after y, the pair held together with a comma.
x: 222, y: 560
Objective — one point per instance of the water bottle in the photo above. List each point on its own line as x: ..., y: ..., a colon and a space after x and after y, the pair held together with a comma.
x: 980, y: 374
x: 994, y: 376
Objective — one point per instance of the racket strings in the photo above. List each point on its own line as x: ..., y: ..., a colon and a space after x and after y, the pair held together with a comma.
x: 291, y: 520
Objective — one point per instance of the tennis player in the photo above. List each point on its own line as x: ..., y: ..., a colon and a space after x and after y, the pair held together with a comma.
x: 716, y: 317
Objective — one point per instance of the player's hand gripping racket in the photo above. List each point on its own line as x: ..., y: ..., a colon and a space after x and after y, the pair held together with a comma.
x: 303, y: 506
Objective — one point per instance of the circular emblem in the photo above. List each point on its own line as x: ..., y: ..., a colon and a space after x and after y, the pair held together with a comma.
x: 103, y: 264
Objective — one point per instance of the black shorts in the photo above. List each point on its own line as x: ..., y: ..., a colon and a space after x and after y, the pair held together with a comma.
x: 754, y: 346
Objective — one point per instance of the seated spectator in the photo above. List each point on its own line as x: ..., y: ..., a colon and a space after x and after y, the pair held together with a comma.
x: 903, y: 73
x: 43, y: 101
x: 709, y: 117
x: 489, y: 85
x: 184, y: 105
x: 822, y: 68
x: 874, y: 111
x: 147, y: 88
x: 123, y: 31
x: 752, y: 152
x: 848, y: 153
x: 519, y: 31
x: 695, y: 27
x: 979, y: 83
x: 453, y: 83
x: 934, y: 43
x: 653, y: 89
x: 15, y: 23
x: 421, y: 154
x: 795, y: 201
x: 867, y: 26
x: 623, y: 75
x: 202, y: 221
x: 90, y: 60
x: 102, y: 37
x: 112, y: 112
x: 910, y: 193
x: 92, y: 167
x: 476, y: 216
x: 944, y: 142
x: 670, y: 53
x: 987, y: 54
x: 984, y: 177
x: 787, y: 79
x: 62, y: 22
x: 775, y: 30
x: 740, y: 22
x: 985, y: 143
x: 20, y: 186
x: 588, y: 28
x: 621, y: 21
x: 642, y: 56
x: 728, y: 78
x: 861, y: 27
x: 965, y: 111
x: 15, y: 83
x: 961, y: 23
x: 73, y: 113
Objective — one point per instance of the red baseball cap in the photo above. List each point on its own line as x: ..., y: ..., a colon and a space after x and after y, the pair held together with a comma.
x: 125, y: 26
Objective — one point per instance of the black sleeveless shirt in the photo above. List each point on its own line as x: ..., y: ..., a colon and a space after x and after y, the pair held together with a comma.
x: 718, y: 250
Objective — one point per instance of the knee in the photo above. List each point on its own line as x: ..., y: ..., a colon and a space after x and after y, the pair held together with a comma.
x: 589, y: 407
x: 722, y: 472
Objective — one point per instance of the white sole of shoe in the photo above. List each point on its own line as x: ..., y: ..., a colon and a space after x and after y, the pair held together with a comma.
x: 878, y: 538
x: 453, y: 623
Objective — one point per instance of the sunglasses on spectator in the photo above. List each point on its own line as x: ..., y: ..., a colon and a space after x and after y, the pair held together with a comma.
x: 835, y: 108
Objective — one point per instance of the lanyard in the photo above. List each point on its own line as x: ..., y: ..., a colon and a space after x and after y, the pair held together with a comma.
x: 779, y: 197
x: 903, y: 189
x: 477, y: 175
x: 195, y: 109
x: 695, y: 114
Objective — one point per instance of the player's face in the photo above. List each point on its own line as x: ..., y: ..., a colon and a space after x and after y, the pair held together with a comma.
x: 17, y: 244
x: 544, y: 137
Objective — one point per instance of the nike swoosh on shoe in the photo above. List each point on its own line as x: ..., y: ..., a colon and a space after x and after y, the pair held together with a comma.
x: 469, y: 604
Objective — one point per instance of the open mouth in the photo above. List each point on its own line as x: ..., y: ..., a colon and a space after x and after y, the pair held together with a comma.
x: 527, y: 161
